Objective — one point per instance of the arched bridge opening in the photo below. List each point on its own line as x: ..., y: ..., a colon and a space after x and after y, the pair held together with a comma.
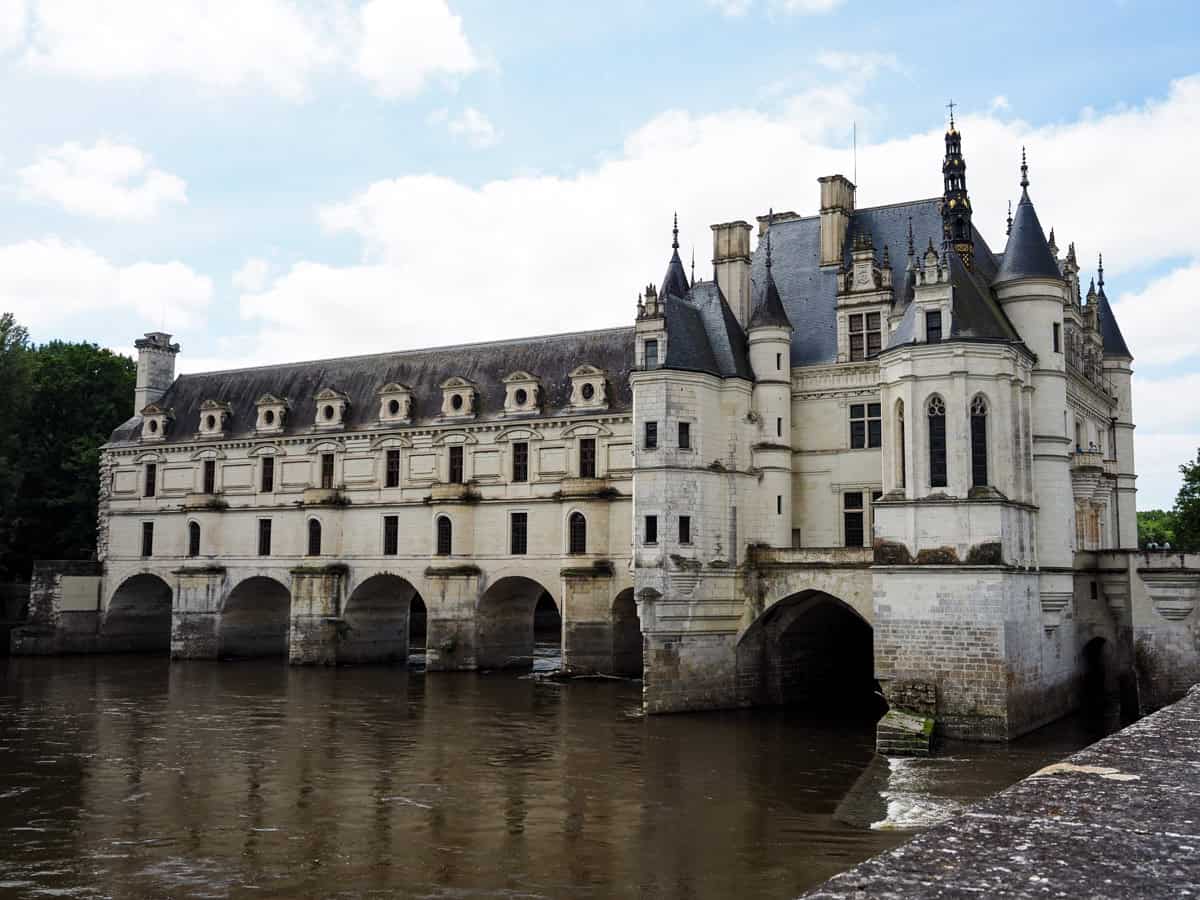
x: 138, y: 618
x: 255, y: 620
x: 813, y: 652
x: 377, y: 621
x: 518, y: 622
x: 626, y: 636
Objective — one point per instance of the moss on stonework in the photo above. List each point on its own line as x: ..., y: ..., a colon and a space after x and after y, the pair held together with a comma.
x: 463, y: 571
x: 601, y: 568
x: 890, y: 553
x: 937, y: 556
x: 986, y: 554
x: 200, y: 570
x: 331, y: 569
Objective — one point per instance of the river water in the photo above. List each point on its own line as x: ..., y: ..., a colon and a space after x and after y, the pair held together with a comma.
x: 133, y: 777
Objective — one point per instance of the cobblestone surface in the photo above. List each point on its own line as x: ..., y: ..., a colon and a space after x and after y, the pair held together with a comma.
x: 1119, y: 819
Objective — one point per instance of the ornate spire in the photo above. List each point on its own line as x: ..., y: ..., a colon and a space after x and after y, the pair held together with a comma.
x: 956, y: 204
x: 1053, y: 244
x: 1008, y: 221
x: 693, y: 265
x: 1024, y: 170
x: 770, y: 222
x: 911, y: 250
x: 675, y: 282
x: 1100, y: 272
x: 675, y: 233
x: 950, y: 106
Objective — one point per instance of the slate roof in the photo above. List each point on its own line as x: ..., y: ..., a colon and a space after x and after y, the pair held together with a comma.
x: 1027, y: 253
x: 675, y: 282
x: 769, y: 311
x: 549, y: 358
x: 1110, y: 332
x: 704, y: 336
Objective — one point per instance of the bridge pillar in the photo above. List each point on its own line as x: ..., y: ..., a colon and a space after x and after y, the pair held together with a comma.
x: 450, y: 603
x: 316, y: 617
x: 587, y: 598
x: 196, y: 612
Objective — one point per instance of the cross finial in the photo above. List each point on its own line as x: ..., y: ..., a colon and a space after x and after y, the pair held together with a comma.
x: 693, y: 265
x: 1100, y: 271
x: 1024, y: 170
x: 950, y: 106
x: 675, y: 233
x: 1008, y: 228
x: 770, y: 221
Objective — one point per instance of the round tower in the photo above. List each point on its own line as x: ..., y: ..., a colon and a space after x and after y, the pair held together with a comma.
x: 770, y: 337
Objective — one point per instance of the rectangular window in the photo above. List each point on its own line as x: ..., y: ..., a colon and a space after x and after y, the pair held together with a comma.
x: 210, y: 476
x: 852, y: 516
x: 264, y: 537
x: 456, y: 465
x: 779, y: 504
x: 520, y: 533
x: 147, y: 539
x: 327, y: 470
x: 391, y: 535
x: 866, y: 425
x: 933, y: 326
x: 778, y: 362
x: 151, y: 479
x: 937, y: 448
x: 1057, y: 338
x: 587, y: 457
x: 685, y: 529
x: 193, y: 539
x: 651, y: 531
x: 685, y: 436
x: 866, y: 335
x: 651, y: 354
x: 268, y: 474
x: 651, y: 441
x: 979, y: 468
x: 391, y: 476
x: 779, y: 426
x: 520, y: 461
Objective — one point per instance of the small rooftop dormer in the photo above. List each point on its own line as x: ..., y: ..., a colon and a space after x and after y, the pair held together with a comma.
x: 458, y: 398
x: 214, y: 418
x: 522, y: 394
x: 272, y: 414
x: 331, y: 408
x: 156, y: 420
x: 395, y: 403
x: 589, y: 388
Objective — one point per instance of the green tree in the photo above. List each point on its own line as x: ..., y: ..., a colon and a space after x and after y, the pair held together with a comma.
x: 1187, y: 507
x: 77, y: 394
x: 15, y: 383
x: 1156, y: 526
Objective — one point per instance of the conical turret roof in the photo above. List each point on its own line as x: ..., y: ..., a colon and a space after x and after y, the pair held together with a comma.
x: 1027, y: 254
x: 769, y: 313
x: 675, y: 282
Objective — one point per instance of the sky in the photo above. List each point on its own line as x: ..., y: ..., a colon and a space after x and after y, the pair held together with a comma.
x: 274, y: 180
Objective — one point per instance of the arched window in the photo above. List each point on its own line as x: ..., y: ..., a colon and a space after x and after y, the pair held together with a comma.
x: 979, y: 467
x: 445, y: 536
x: 901, y: 463
x: 193, y: 538
x: 314, y: 537
x: 937, y: 442
x: 577, y: 533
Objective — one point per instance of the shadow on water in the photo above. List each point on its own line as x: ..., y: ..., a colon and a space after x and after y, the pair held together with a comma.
x: 135, y: 777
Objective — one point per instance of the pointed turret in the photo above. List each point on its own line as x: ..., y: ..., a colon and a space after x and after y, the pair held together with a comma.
x: 769, y: 313
x: 1027, y: 254
x: 956, y: 205
x: 1110, y: 332
x: 675, y: 282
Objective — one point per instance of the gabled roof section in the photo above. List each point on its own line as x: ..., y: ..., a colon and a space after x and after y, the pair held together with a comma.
x: 485, y: 365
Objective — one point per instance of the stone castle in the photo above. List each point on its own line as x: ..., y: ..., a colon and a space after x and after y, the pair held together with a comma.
x: 871, y: 454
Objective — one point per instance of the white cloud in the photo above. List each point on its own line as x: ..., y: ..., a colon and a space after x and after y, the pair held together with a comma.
x: 1151, y: 319
x: 732, y: 8
x: 1167, y: 412
x: 281, y: 45
x: 13, y: 20
x: 805, y: 7
x: 106, y: 181
x: 252, y: 276
x: 471, y: 125
x: 860, y: 65
x: 1158, y: 458
x: 999, y: 104
x: 48, y: 282
x: 402, y: 45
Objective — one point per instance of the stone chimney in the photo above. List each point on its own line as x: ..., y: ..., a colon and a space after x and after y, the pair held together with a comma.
x: 731, y: 266
x: 155, y: 368
x: 837, y: 205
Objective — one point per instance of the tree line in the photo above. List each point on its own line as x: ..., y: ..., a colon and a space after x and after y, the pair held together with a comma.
x: 59, y: 402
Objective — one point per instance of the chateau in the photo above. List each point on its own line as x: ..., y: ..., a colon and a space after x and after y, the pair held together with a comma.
x: 871, y: 453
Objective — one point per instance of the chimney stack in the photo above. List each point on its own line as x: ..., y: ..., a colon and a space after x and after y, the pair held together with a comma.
x: 155, y: 368
x: 837, y: 205
x: 731, y: 266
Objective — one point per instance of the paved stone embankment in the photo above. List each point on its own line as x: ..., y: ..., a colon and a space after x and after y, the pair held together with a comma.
x: 1118, y: 819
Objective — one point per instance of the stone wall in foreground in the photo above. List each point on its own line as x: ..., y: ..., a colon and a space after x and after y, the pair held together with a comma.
x: 1115, y: 820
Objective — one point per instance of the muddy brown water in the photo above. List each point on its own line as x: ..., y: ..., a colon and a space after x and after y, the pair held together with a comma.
x: 133, y: 777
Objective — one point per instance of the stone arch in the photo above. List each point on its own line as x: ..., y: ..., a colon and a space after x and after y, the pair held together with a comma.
x: 255, y: 619
x: 507, y: 620
x: 376, y: 618
x: 138, y: 616
x: 813, y: 651
x: 626, y: 636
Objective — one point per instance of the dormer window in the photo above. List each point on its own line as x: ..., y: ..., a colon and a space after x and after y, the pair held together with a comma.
x: 933, y: 326
x: 651, y: 353
x: 155, y: 420
x: 214, y: 417
x: 395, y: 403
x: 458, y: 398
x: 589, y: 388
x: 331, y: 409
x: 522, y: 394
x: 272, y: 414
x: 866, y: 335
